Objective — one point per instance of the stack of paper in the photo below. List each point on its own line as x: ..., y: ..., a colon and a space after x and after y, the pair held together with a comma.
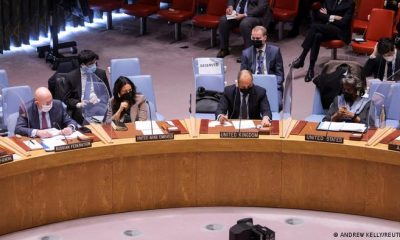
x: 146, y: 127
x: 342, y: 126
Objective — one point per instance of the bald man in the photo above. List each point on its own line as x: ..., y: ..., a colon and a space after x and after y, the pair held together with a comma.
x: 245, y: 101
x: 41, y: 113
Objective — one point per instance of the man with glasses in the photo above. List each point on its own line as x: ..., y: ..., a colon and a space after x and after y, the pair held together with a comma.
x: 263, y: 58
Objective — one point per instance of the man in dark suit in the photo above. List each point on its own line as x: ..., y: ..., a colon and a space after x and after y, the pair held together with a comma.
x: 77, y: 82
x: 263, y: 58
x: 333, y: 21
x: 41, y: 113
x: 249, y: 13
x: 244, y: 101
x: 384, y: 62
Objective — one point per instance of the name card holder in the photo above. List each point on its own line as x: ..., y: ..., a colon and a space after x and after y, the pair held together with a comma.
x: 394, y: 147
x: 319, y: 138
x: 6, y: 158
x: 155, y: 137
x: 73, y: 146
x: 239, y: 135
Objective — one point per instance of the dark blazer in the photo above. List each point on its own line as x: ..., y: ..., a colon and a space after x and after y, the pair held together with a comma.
x: 28, y: 118
x: 73, y: 90
x: 274, y: 62
x: 345, y: 9
x: 230, y: 103
x: 376, y: 67
x: 256, y: 8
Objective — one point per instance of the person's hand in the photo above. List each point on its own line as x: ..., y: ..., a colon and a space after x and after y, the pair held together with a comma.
x: 81, y: 104
x: 222, y: 119
x: 375, y: 52
x: 240, y: 16
x: 93, y: 98
x: 337, y: 18
x: 229, y: 10
x: 323, y: 11
x: 43, y: 134
x: 265, y: 122
x: 124, y: 105
x: 67, y: 131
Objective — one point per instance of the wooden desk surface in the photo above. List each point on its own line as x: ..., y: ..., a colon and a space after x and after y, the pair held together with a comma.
x: 205, y: 171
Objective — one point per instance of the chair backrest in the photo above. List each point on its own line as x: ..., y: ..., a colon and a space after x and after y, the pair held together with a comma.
x: 270, y: 84
x: 216, y: 7
x: 317, y: 104
x: 13, y: 97
x: 185, y: 5
x: 218, y: 69
x: 393, y: 110
x: 364, y: 8
x: 210, y: 82
x: 124, y: 67
x: 380, y: 24
x: 3, y: 79
x: 287, y: 4
x: 144, y: 85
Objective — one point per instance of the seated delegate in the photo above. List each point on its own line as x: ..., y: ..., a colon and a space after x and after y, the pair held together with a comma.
x: 126, y: 105
x: 42, y: 113
x: 244, y: 101
x: 350, y: 106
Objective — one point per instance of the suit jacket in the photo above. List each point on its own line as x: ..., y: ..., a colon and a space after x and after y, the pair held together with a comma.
x: 345, y: 9
x: 376, y: 67
x: 256, y: 8
x: 73, y: 90
x: 138, y: 111
x: 230, y: 103
x: 28, y: 118
x: 274, y: 62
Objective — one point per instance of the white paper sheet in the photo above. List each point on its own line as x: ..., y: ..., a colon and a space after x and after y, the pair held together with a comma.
x: 217, y: 123
x: 232, y: 16
x: 342, y: 126
x: 155, y: 131
x: 49, y: 143
x: 244, y: 124
x: 33, y: 144
x: 208, y: 66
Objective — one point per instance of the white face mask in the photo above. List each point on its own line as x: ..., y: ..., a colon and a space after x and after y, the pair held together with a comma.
x: 389, y: 58
x: 46, y: 108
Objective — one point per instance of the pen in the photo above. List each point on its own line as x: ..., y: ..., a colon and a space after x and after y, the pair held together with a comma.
x: 30, y: 140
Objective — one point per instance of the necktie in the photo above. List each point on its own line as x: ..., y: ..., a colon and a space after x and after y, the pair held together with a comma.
x: 242, y: 5
x: 260, y: 62
x: 389, y: 70
x: 244, y: 107
x: 44, y: 121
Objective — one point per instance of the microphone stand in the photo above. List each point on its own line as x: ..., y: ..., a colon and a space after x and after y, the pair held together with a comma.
x: 151, y: 119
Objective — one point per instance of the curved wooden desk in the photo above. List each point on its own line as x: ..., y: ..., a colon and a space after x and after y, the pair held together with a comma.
x: 207, y: 171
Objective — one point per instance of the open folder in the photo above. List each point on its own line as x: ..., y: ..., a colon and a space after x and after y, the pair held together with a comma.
x: 342, y: 127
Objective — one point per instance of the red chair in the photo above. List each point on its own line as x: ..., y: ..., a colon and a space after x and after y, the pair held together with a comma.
x: 215, y: 9
x: 284, y: 11
x: 333, y: 45
x: 180, y: 11
x: 106, y: 6
x: 142, y: 9
x: 364, y: 8
x: 380, y: 25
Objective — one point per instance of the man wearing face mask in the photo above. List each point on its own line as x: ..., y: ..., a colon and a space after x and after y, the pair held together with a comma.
x: 244, y: 101
x: 77, y: 80
x: 42, y: 113
x: 263, y: 58
x: 350, y: 106
x: 384, y: 62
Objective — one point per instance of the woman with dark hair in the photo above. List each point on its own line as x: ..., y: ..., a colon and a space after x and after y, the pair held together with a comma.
x: 350, y: 105
x: 126, y: 105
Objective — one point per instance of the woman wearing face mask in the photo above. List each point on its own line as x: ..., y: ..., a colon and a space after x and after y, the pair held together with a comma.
x: 126, y: 105
x: 350, y: 106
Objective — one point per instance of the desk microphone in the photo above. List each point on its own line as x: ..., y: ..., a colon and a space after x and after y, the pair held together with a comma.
x: 59, y: 128
x: 190, y: 104
x: 397, y: 71
x: 240, y: 115
x: 234, y: 103
x: 329, y: 127
x: 151, y: 119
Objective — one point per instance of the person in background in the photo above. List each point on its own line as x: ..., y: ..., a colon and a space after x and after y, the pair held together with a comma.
x: 244, y: 101
x: 77, y: 81
x: 333, y: 21
x: 40, y: 114
x: 263, y: 58
x: 350, y: 106
x: 384, y: 62
x: 249, y: 13
x: 126, y: 105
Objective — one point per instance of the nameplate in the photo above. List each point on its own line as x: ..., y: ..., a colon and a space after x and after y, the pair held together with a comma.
x: 6, y: 159
x: 394, y: 147
x: 155, y: 137
x: 328, y: 139
x: 239, y: 135
x: 72, y: 146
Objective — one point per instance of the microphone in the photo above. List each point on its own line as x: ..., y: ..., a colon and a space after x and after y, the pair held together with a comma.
x: 234, y: 103
x: 59, y: 128
x: 151, y: 119
x: 190, y: 103
x: 240, y: 115
x: 397, y: 71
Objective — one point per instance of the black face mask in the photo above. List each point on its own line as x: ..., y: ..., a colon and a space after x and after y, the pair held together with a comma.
x: 127, y: 97
x: 348, y: 97
x: 246, y: 91
x: 257, y: 43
